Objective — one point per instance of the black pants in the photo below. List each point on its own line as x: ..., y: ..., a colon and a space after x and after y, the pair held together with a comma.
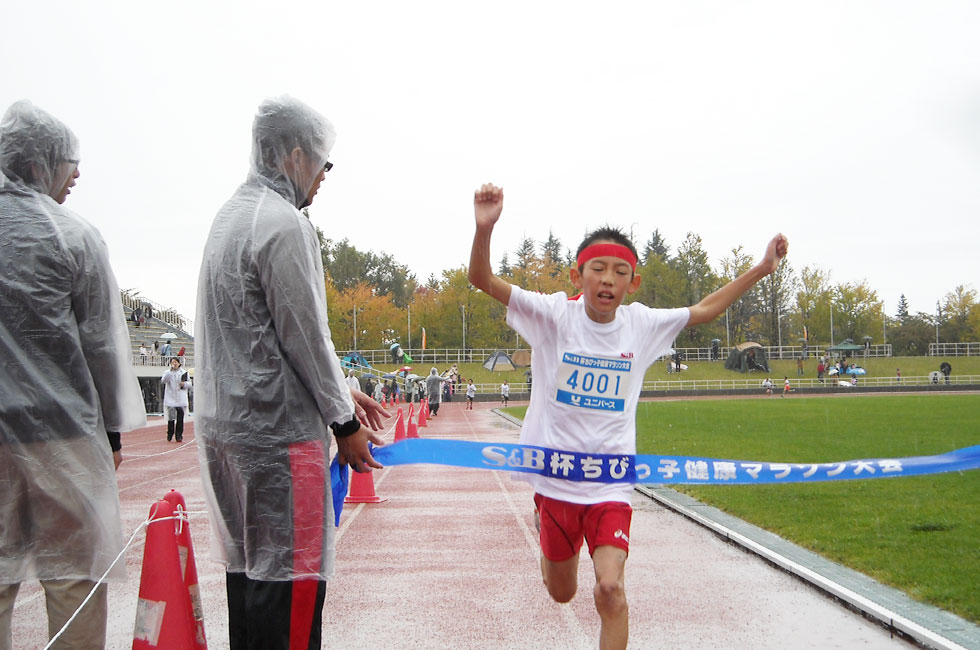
x: 180, y: 425
x: 265, y: 615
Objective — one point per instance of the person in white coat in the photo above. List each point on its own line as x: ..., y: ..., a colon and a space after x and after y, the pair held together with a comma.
x: 66, y: 380
x: 352, y: 380
x: 175, y: 386
x: 270, y: 388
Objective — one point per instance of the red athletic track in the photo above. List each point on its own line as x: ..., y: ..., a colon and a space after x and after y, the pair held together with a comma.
x: 450, y: 560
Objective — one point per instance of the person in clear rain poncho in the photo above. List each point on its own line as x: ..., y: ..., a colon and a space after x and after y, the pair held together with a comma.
x: 65, y: 379
x: 270, y: 387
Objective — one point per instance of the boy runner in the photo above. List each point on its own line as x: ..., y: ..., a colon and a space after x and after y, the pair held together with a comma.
x: 590, y: 355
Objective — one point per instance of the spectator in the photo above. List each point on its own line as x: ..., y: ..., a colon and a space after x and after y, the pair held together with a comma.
x: 433, y: 389
x: 270, y: 388
x: 68, y: 386
x: 898, y: 375
x: 379, y: 392
x: 505, y: 392
x: 820, y: 370
x: 175, y: 385
x: 144, y: 353
x: 352, y: 380
x: 799, y: 366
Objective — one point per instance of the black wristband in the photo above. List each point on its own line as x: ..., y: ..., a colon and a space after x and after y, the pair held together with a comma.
x: 348, y: 428
x: 115, y: 443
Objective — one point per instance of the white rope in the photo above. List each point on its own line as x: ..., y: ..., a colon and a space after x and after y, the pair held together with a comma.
x: 182, y: 516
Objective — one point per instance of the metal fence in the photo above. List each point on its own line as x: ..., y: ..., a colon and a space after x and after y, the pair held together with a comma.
x: 141, y: 360
x: 479, y: 355
x: 662, y: 385
x: 430, y: 356
x: 783, y: 352
x: 954, y: 349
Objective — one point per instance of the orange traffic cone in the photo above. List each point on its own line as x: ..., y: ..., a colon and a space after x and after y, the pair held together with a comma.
x: 362, y: 489
x: 413, y: 431
x: 188, y: 567
x: 411, y: 411
x: 428, y: 414
x: 422, y: 419
x: 399, y: 426
x: 164, y: 616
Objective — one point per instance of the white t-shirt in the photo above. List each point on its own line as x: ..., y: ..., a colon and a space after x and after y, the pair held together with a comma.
x: 505, y: 390
x: 587, y: 380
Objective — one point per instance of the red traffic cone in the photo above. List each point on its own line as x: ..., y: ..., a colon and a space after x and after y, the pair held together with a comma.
x: 411, y: 410
x: 399, y: 426
x: 422, y: 419
x: 362, y: 489
x: 188, y: 567
x: 428, y: 413
x: 164, y: 617
x: 413, y: 431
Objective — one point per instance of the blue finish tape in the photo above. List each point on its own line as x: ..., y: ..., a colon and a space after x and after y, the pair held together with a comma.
x: 646, y: 468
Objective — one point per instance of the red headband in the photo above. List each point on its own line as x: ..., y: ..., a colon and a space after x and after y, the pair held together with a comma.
x: 607, y: 250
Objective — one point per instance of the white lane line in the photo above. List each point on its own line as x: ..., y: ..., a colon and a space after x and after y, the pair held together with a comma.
x: 576, y: 633
x: 159, y: 477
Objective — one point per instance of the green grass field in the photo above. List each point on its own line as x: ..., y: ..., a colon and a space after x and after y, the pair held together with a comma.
x: 919, y: 534
x: 882, y: 367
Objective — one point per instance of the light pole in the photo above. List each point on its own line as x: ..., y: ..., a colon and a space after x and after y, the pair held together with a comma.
x: 355, y: 326
x: 939, y: 316
x: 779, y: 330
x: 409, y: 327
x: 462, y: 308
x: 728, y: 332
x: 831, y: 324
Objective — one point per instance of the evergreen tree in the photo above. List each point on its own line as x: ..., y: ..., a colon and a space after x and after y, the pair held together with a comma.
x: 526, y: 256
x: 551, y: 255
x: 655, y: 246
x: 903, y: 309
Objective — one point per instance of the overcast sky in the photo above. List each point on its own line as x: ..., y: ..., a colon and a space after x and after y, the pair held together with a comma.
x: 853, y: 127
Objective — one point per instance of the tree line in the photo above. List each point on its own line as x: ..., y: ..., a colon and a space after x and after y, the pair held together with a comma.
x: 789, y: 307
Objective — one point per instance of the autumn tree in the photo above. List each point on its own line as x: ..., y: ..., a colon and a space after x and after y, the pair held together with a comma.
x: 960, y: 315
x: 857, y: 311
x: 739, y: 316
x: 776, y: 292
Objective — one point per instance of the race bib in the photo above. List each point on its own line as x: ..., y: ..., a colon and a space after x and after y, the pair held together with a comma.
x: 593, y: 382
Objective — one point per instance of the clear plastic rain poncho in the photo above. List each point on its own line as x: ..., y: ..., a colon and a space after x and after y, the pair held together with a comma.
x: 267, y: 379
x: 65, y: 367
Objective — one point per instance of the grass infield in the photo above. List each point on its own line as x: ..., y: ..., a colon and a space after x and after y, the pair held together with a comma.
x: 918, y: 534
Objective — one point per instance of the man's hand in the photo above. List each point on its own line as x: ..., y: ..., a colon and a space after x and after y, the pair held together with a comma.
x: 488, y: 202
x: 368, y: 411
x: 353, y: 450
x: 775, y: 252
x: 117, y: 458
